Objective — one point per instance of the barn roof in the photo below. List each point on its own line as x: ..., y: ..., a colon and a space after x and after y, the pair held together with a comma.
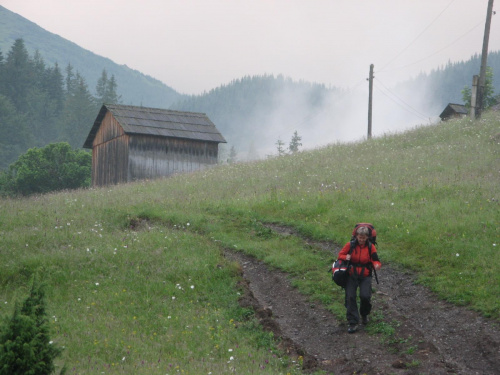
x: 452, y: 109
x: 158, y: 122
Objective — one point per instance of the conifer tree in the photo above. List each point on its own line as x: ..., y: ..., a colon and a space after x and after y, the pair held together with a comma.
x: 295, y: 143
x: 54, y: 86
x: 112, y: 96
x: 80, y: 110
x: 279, y: 145
x: 14, y: 135
x: 106, y: 89
x: 70, y: 80
x: 2, y: 65
x: 25, y: 345
x: 101, y: 87
x: 18, y: 75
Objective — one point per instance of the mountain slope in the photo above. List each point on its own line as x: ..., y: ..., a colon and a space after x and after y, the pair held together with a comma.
x: 135, y: 87
x: 138, y: 282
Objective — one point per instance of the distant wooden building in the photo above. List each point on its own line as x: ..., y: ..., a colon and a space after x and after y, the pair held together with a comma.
x: 132, y: 143
x: 453, y: 111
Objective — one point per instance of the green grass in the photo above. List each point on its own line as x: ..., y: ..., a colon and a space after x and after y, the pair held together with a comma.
x: 114, y: 258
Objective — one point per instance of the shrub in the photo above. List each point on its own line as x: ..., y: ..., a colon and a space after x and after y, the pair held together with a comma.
x: 51, y: 168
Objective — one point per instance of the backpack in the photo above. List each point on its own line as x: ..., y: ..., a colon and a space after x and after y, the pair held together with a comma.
x: 340, y: 268
x: 340, y: 272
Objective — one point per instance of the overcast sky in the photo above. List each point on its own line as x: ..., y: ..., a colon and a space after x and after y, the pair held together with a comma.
x: 196, y: 45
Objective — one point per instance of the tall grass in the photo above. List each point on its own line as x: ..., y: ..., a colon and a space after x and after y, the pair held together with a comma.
x: 137, y: 279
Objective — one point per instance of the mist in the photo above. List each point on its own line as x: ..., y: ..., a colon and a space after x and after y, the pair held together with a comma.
x: 323, y: 116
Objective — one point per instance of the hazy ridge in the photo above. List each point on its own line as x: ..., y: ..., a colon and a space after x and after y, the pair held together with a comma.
x: 136, y: 88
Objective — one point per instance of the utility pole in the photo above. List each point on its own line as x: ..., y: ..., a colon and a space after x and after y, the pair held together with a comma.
x: 370, y: 99
x: 484, y: 57
x: 473, y: 97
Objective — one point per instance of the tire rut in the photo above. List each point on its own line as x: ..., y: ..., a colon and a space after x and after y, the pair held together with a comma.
x: 432, y: 336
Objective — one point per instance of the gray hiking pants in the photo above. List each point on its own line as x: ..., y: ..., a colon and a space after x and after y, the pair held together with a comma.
x: 365, y: 296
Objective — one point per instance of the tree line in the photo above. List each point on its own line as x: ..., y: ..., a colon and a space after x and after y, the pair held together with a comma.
x: 45, y: 117
x: 41, y: 105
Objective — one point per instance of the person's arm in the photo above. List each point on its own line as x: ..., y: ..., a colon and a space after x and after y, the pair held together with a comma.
x: 375, y: 261
x: 343, y: 254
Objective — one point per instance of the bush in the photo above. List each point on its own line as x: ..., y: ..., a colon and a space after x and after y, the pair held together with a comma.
x: 51, y: 168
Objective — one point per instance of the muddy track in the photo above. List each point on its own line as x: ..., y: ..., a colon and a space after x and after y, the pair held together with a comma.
x: 432, y: 336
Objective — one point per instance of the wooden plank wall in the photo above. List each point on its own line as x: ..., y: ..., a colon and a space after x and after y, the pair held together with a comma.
x: 152, y: 157
x: 110, y: 154
x: 118, y: 158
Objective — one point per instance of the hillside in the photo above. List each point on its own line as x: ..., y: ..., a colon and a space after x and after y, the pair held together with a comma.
x: 135, y: 87
x: 137, y: 280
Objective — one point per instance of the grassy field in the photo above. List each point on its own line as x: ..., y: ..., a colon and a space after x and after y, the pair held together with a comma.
x: 137, y: 281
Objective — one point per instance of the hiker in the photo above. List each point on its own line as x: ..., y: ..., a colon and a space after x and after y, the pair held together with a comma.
x: 360, y: 275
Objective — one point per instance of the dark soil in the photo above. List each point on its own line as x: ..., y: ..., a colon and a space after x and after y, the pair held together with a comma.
x: 431, y: 336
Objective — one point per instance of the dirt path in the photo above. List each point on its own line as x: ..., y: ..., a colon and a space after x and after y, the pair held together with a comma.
x: 432, y: 337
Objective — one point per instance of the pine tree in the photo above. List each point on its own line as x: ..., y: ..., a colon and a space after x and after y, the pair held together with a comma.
x: 279, y: 144
x: 39, y: 69
x: 112, y: 96
x: 70, y: 80
x: 18, y: 75
x: 295, y: 143
x: 54, y: 86
x: 101, y: 87
x: 2, y: 67
x: 106, y: 89
x: 78, y: 115
x: 25, y: 346
x: 14, y: 136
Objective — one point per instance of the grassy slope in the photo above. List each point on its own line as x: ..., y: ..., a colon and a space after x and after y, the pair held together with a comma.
x: 137, y: 281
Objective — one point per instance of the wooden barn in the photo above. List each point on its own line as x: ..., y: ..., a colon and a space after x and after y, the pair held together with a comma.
x: 453, y: 111
x: 132, y: 143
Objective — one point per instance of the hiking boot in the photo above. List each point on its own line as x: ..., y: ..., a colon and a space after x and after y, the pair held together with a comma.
x: 352, y: 328
x: 364, y: 319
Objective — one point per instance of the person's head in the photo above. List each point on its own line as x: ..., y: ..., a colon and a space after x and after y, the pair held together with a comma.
x: 362, y: 235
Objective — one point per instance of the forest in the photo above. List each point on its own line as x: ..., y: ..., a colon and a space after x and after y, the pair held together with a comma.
x: 40, y: 104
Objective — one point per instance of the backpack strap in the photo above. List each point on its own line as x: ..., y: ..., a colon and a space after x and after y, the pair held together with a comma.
x: 363, y: 265
x: 371, y: 266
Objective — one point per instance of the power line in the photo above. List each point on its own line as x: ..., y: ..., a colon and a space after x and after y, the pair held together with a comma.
x: 418, y: 36
x: 438, y: 51
x: 395, y: 98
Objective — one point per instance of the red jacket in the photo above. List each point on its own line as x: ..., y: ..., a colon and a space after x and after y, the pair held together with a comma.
x: 360, y: 257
